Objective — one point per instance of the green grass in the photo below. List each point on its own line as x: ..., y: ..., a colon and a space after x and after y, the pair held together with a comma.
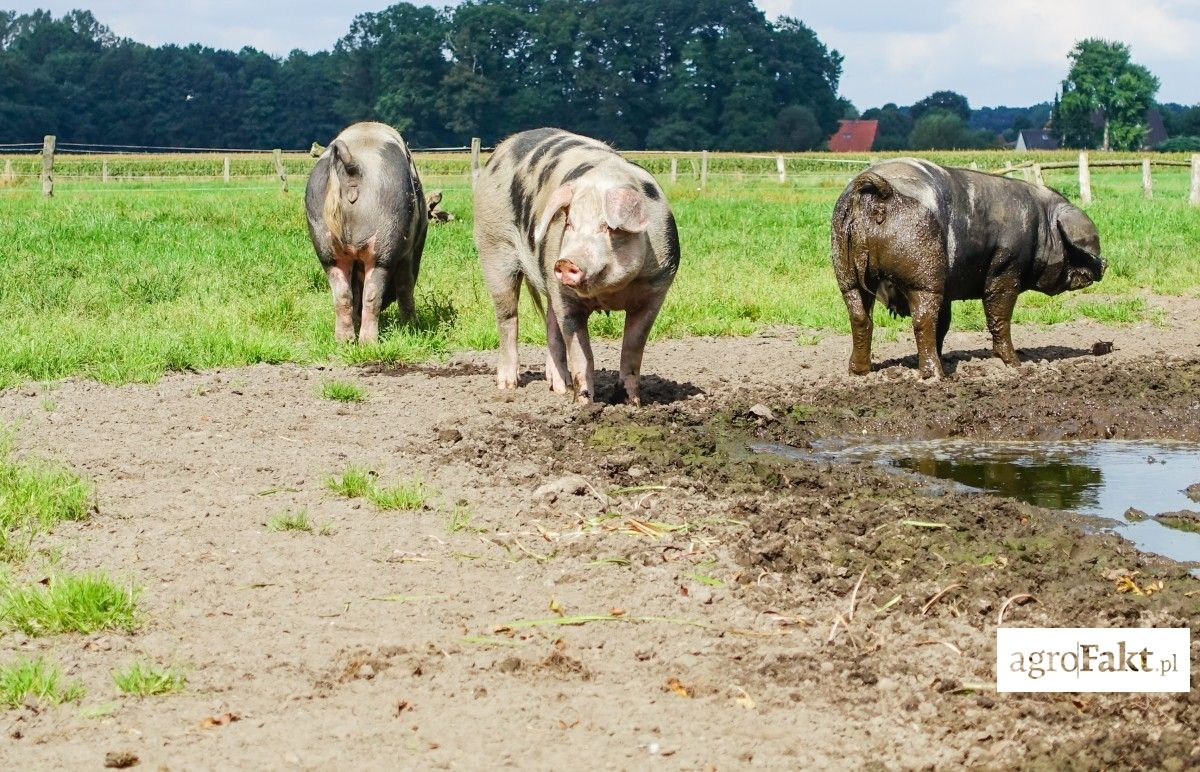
x: 140, y: 279
x: 35, y: 678
x: 34, y: 496
x: 290, y: 521
x: 83, y: 603
x: 143, y: 680
x: 354, y: 483
x: 357, y: 482
x: 408, y: 495
x: 343, y: 391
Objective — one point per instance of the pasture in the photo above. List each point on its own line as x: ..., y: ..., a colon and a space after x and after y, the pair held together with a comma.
x: 226, y: 541
x: 126, y: 281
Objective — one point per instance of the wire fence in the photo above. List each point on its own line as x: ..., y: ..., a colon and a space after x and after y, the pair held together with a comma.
x: 76, y: 167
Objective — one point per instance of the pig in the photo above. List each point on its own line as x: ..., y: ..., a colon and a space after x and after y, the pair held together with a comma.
x: 584, y: 228
x: 918, y: 236
x: 367, y: 219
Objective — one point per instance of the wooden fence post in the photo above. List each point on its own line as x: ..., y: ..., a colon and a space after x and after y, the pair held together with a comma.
x: 674, y: 170
x: 782, y: 168
x: 1037, y: 176
x: 226, y: 165
x: 476, y: 145
x: 1085, y: 178
x: 1195, y: 195
x: 974, y: 166
x: 1027, y: 173
x: 279, y: 170
x: 1147, y: 185
x: 703, y: 169
x: 48, y: 166
x: 104, y: 171
x: 9, y: 175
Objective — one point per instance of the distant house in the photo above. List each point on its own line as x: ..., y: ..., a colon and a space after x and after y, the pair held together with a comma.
x: 854, y: 137
x: 1036, y: 139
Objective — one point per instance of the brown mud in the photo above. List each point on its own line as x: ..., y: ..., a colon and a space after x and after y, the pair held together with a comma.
x: 687, y: 604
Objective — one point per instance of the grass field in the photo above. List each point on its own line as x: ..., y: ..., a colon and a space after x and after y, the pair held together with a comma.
x: 136, y: 278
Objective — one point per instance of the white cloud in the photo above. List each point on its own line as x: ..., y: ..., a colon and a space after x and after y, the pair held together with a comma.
x: 1011, y: 52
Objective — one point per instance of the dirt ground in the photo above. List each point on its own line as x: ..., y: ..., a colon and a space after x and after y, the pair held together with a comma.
x: 726, y: 629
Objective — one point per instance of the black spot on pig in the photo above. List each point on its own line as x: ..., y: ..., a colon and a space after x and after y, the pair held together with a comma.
x: 527, y: 141
x: 651, y: 191
x: 578, y: 172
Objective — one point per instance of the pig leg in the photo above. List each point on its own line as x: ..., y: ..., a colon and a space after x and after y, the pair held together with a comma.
x: 859, y: 303
x: 403, y: 283
x: 999, y: 300
x: 556, y: 355
x: 579, y: 354
x: 926, y: 307
x: 505, y: 287
x: 375, y: 279
x: 943, y: 326
x: 638, y: 322
x: 341, y: 276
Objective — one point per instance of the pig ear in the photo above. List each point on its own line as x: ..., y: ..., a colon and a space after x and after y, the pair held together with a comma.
x: 624, y: 210
x: 559, y: 200
x: 1076, y: 229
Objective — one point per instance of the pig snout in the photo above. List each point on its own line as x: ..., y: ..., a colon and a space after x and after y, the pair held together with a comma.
x: 568, y: 273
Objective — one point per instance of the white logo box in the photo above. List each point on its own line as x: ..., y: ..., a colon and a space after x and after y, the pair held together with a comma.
x: 1093, y: 659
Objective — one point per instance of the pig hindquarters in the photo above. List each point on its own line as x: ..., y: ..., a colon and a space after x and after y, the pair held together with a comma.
x: 367, y: 219
x: 588, y: 230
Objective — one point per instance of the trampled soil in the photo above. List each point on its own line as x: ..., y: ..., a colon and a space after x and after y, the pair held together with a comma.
x: 725, y: 631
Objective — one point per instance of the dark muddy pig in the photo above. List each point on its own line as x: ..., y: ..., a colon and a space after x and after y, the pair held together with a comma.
x: 367, y: 218
x: 584, y: 228
x: 918, y: 236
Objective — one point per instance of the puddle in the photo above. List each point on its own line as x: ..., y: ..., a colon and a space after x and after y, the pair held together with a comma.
x: 1102, y: 479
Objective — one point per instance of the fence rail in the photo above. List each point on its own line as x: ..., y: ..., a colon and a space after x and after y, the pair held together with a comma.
x: 112, y: 163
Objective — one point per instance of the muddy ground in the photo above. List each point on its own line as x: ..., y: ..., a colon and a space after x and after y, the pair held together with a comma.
x: 726, y: 630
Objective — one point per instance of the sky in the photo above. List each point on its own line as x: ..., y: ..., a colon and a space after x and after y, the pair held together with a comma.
x: 995, y: 52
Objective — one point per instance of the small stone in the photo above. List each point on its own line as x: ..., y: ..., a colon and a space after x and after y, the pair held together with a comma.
x: 1135, y: 515
x: 571, y: 485
x: 366, y: 671
x: 635, y: 472
x: 120, y: 759
x: 763, y: 412
x: 1102, y: 347
x: 449, y: 436
x: 509, y: 665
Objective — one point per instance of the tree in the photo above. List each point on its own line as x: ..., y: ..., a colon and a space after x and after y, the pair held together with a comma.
x: 1103, y: 80
x: 894, y: 126
x: 946, y: 101
x: 941, y: 130
x: 796, y: 128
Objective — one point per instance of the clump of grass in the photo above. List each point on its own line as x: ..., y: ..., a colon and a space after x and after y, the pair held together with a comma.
x: 408, y: 495
x: 343, y: 391
x: 27, y: 678
x: 145, y: 680
x: 34, y: 496
x: 290, y: 521
x: 354, y: 483
x: 460, y: 520
x: 71, y: 604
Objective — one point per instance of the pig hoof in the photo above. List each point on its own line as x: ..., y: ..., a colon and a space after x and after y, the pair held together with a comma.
x: 860, y: 370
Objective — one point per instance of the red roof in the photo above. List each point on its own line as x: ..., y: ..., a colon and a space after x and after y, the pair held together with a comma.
x: 854, y: 137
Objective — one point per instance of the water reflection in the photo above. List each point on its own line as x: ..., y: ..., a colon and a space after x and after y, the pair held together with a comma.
x: 1048, y: 482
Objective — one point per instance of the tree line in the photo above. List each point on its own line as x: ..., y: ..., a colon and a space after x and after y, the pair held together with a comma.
x: 677, y: 74
x: 685, y: 74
